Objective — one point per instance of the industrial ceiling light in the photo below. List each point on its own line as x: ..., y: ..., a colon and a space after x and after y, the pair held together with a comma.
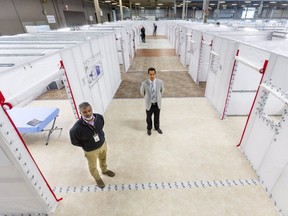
x: 137, y: 3
x: 107, y: 1
x: 247, y: 2
x: 221, y: 2
x: 272, y: 2
x: 234, y: 4
x: 160, y: 3
x: 211, y: 4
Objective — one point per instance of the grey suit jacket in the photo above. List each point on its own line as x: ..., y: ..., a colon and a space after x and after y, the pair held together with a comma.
x: 145, y: 92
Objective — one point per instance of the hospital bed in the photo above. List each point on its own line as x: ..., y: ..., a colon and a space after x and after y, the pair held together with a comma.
x: 34, y: 119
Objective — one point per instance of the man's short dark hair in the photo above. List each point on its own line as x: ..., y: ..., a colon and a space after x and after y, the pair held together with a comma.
x: 84, y: 105
x: 152, y: 69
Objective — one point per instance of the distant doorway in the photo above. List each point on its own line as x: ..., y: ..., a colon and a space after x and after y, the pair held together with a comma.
x: 108, y: 17
x: 75, y: 18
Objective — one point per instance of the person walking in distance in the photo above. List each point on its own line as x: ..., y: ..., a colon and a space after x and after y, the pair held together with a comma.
x: 152, y: 90
x: 88, y: 133
x: 155, y: 29
x: 143, y: 34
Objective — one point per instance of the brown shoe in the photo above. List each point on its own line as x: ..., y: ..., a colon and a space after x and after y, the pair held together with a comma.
x: 109, y: 173
x: 100, y: 183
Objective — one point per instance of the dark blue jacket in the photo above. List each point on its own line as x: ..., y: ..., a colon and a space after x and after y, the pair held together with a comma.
x: 82, y: 133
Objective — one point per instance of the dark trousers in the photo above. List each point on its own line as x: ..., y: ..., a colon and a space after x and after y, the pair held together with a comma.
x: 156, y: 111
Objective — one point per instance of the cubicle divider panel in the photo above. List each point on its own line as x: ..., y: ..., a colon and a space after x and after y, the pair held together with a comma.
x: 177, y: 39
x: 261, y: 142
x: 182, y: 45
x: 28, y: 81
x: 90, y: 72
x: 264, y: 140
x: 216, y: 73
x: 114, y: 74
x: 125, y: 49
x: 279, y: 74
x: 78, y: 69
x: 103, y: 80
x: 174, y: 37
x: 250, y: 62
x: 195, y: 55
x: 280, y: 190
x: 118, y: 38
x: 103, y: 44
x: 131, y: 39
x: 24, y: 190
x: 189, y: 45
x: 227, y: 50
x: 73, y: 77
x: 204, y: 58
x: 115, y: 70
x: 275, y: 159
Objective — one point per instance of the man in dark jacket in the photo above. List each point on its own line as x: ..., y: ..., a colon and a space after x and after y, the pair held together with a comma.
x: 88, y: 133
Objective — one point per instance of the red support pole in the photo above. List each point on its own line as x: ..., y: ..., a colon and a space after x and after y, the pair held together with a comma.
x: 2, y: 104
x: 72, y: 97
x: 262, y: 71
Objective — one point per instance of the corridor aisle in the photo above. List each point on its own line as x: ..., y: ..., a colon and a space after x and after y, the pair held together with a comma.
x: 193, y: 168
x: 158, y: 53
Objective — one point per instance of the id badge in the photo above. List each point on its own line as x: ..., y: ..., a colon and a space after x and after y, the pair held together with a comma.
x: 96, y: 137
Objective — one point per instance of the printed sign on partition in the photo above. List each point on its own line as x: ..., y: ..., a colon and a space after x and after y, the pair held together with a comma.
x: 93, y: 69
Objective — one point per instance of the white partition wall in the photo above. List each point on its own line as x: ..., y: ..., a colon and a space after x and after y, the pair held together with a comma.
x: 246, y: 78
x: 93, y: 72
x: 264, y: 139
x: 178, y: 30
x: 219, y: 72
x: 183, y: 45
x: 26, y: 82
x: 195, y: 44
x: 234, y: 74
x: 23, y: 188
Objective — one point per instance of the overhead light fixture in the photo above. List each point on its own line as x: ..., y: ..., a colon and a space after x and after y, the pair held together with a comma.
x: 107, y: 1
x: 160, y: 4
x: 221, y: 2
x: 234, y: 4
x: 255, y: 4
x: 284, y: 4
x: 247, y: 2
x: 212, y: 4
x: 137, y: 3
x: 272, y: 2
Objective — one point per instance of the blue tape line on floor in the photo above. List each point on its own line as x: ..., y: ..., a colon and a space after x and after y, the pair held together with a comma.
x: 158, y: 186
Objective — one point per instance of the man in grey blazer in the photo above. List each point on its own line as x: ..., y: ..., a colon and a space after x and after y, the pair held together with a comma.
x: 152, y: 90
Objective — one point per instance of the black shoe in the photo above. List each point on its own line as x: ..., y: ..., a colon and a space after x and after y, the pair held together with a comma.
x: 149, y: 132
x: 109, y: 173
x: 100, y: 183
x: 160, y: 131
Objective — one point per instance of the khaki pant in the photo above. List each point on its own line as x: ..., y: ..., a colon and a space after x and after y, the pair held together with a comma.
x: 92, y: 157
